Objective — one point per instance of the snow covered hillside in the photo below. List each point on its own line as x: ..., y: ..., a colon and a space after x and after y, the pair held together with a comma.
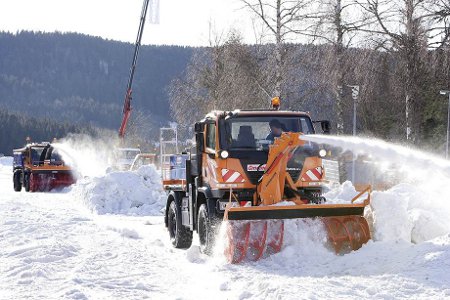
x: 105, y: 239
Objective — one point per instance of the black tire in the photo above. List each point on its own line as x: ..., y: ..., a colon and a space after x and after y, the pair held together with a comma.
x: 17, y: 182
x: 207, y: 229
x: 26, y: 181
x: 180, y: 236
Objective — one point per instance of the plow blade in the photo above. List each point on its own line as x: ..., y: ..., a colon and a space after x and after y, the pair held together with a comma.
x: 257, y: 232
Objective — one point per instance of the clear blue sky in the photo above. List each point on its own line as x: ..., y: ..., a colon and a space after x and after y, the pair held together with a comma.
x: 182, y: 22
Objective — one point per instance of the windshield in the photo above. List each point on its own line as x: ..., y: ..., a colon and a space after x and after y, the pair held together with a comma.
x: 36, y: 154
x: 259, y: 131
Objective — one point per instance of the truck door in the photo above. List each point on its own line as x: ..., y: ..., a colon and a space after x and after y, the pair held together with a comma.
x: 209, y: 163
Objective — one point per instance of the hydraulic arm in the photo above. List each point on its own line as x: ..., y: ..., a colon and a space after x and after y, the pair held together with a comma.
x: 127, y: 102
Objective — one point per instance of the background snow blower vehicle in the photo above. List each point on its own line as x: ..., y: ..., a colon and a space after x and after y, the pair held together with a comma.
x: 243, y: 170
x: 39, y: 167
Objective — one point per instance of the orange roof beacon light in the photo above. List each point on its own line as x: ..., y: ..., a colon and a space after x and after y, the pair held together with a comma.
x: 276, y: 102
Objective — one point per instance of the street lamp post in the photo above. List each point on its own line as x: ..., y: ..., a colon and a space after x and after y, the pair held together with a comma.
x: 355, y: 95
x: 448, y: 119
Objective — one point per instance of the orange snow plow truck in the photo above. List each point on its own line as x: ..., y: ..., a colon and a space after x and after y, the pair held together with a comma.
x: 39, y: 167
x: 253, y: 171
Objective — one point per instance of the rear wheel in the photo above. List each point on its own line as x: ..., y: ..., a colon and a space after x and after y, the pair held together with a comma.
x: 180, y: 236
x: 207, y: 230
x: 17, y: 182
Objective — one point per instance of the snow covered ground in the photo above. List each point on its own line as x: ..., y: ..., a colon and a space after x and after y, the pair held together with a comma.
x: 88, y: 242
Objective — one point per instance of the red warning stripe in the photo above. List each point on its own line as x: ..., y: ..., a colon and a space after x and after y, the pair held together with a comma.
x: 313, y: 174
x: 317, y: 172
x: 231, y: 176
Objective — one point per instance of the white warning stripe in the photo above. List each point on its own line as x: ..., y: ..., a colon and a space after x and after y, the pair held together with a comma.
x: 233, y: 177
x: 313, y: 175
x: 230, y: 176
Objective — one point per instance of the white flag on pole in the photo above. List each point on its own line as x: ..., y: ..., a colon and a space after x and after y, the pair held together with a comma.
x: 153, y: 17
x: 355, y: 92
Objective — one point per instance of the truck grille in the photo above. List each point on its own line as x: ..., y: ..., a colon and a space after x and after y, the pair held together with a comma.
x: 255, y: 176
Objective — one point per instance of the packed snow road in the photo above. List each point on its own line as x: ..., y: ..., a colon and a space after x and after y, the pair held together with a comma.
x: 60, y: 245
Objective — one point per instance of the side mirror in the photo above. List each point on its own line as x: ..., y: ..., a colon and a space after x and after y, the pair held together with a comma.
x: 199, y: 127
x: 326, y: 126
x: 200, y: 141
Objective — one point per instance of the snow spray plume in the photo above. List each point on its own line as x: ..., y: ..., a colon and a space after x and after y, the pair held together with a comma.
x: 417, y: 208
x: 89, y: 156
x: 413, y: 161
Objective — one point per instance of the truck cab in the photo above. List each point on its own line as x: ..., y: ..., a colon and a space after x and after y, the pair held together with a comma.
x: 227, y: 161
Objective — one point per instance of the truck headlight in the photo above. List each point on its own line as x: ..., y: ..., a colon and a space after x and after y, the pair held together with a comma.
x: 224, y: 154
x: 322, y: 152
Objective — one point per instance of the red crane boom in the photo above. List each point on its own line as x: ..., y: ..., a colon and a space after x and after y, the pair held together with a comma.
x: 127, y: 102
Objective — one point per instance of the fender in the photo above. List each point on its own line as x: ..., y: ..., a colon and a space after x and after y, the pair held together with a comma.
x: 206, y: 191
x: 210, y: 201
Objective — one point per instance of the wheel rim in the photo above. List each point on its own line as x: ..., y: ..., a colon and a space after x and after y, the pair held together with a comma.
x: 172, y: 224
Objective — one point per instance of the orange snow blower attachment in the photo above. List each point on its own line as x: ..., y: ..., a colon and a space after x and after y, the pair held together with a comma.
x: 257, y: 230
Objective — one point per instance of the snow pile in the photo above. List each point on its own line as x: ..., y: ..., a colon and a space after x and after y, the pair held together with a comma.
x: 6, y: 162
x: 412, y: 213
x: 417, y: 209
x: 341, y: 193
x: 131, y: 193
x: 405, y: 212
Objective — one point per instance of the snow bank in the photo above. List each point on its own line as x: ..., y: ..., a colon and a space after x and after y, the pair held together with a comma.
x: 411, y: 213
x: 6, y: 162
x: 131, y: 193
x: 341, y: 193
x: 405, y: 212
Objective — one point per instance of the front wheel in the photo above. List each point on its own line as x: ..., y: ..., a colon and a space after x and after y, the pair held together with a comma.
x: 180, y: 236
x: 207, y: 230
x: 17, y: 182
x: 26, y: 181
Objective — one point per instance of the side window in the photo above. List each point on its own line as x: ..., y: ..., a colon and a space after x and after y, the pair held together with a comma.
x: 211, y: 136
x: 306, y: 126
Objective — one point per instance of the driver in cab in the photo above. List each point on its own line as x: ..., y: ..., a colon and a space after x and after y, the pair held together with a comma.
x: 276, y: 129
